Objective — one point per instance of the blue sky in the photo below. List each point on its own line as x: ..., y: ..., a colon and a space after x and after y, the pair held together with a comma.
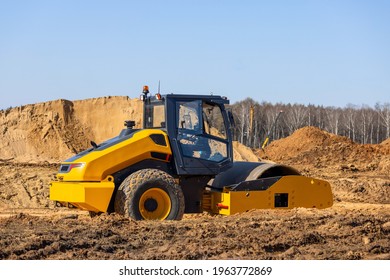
x: 327, y: 53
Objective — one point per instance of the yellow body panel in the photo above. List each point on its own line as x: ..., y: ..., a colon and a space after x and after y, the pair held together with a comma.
x: 100, y: 164
x: 91, y: 186
x: 89, y: 196
x: 301, y: 192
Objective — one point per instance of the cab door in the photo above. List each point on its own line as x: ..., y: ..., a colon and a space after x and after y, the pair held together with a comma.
x: 202, y: 141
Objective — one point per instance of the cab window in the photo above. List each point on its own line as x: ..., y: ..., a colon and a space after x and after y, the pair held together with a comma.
x: 154, y: 116
x: 201, y: 131
x: 213, y: 121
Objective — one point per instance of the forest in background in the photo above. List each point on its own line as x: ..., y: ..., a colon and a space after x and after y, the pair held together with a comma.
x: 255, y: 121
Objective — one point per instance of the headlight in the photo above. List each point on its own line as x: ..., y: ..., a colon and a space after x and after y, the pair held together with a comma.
x: 65, y: 168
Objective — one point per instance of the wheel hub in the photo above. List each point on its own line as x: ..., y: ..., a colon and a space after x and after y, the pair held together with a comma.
x: 155, y: 204
x: 150, y: 205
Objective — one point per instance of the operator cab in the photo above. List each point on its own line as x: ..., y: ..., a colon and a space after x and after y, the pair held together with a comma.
x: 198, y: 128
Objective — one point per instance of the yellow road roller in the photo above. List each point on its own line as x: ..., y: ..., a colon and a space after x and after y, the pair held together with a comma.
x: 181, y: 161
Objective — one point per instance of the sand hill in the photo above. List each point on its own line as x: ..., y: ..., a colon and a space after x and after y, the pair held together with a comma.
x: 313, y: 146
x: 53, y: 131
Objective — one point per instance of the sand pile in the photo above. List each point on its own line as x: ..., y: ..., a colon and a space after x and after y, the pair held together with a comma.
x: 243, y: 153
x: 356, y: 172
x: 303, y: 141
x: 55, y: 130
x: 311, y: 145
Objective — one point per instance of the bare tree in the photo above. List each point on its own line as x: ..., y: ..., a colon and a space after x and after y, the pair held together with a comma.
x: 295, y: 117
x: 366, y: 118
x: 241, y: 112
x: 350, y: 123
x: 333, y: 118
x: 384, y: 113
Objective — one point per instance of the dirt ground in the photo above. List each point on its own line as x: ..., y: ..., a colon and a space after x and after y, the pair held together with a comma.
x: 357, y: 226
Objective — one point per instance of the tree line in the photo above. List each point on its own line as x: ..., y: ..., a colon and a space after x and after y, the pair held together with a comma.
x: 255, y: 121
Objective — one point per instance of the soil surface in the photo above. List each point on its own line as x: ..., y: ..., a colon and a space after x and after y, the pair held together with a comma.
x: 35, y: 138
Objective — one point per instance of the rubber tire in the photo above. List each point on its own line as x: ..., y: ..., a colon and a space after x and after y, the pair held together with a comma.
x: 130, y: 191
